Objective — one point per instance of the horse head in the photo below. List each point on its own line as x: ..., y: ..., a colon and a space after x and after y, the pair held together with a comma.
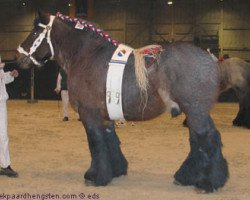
x: 37, y: 47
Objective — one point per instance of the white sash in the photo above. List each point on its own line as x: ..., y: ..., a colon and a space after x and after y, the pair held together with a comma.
x: 114, y: 81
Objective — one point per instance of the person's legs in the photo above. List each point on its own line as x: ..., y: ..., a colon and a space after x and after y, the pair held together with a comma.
x: 65, y: 102
x: 4, y: 140
x: 4, y: 143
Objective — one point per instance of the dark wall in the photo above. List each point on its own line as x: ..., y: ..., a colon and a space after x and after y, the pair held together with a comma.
x: 44, y: 79
x: 221, y: 25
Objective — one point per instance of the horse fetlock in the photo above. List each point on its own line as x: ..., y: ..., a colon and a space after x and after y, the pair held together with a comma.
x: 120, y: 168
x: 116, y: 158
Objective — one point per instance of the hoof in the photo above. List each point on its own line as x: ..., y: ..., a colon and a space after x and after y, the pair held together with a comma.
x: 120, y: 174
x: 202, y: 191
x: 89, y: 182
x: 175, y: 112
x: 176, y: 182
x: 90, y: 175
x: 92, y: 178
x: 97, y: 182
x: 92, y: 183
x: 237, y: 123
x: 184, y: 123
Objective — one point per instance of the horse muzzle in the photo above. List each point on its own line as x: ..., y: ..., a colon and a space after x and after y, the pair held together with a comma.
x: 24, y: 61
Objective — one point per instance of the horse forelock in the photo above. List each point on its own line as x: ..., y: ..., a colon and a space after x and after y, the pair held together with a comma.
x: 41, y: 18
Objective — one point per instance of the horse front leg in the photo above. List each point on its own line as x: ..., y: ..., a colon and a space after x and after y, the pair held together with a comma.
x: 107, y: 160
x: 119, y: 163
x: 205, y: 167
x: 100, y: 171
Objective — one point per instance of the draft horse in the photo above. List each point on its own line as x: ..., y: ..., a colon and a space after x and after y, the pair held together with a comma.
x: 183, y: 74
x: 235, y: 74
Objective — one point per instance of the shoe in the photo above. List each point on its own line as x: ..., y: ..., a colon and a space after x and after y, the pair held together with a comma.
x: 8, y: 171
x: 120, y: 123
x: 65, y: 119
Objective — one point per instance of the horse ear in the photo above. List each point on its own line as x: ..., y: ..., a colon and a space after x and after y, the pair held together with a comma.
x: 43, y: 17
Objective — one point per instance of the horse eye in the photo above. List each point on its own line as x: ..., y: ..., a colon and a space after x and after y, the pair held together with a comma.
x: 35, y: 34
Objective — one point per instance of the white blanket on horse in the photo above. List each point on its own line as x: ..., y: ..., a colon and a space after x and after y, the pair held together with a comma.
x: 114, y: 81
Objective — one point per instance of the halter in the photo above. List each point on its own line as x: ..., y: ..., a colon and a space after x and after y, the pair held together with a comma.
x: 38, y: 42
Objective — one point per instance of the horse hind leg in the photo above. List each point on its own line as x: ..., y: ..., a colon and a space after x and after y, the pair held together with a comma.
x: 239, y: 120
x: 240, y: 117
x: 205, y: 167
x: 246, y: 112
x: 243, y: 116
x: 247, y: 116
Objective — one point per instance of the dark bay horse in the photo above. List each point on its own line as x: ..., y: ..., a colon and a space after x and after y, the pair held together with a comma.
x: 183, y: 74
x: 235, y: 74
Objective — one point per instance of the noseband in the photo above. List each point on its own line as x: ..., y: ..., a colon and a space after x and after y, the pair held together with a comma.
x: 38, y: 42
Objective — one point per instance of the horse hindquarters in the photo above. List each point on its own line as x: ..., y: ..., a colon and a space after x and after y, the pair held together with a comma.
x: 107, y: 160
x: 205, y: 166
x: 194, y: 81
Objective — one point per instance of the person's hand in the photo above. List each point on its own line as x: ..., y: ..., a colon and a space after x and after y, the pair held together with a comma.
x: 14, y: 73
x: 57, y: 90
x: 2, y: 65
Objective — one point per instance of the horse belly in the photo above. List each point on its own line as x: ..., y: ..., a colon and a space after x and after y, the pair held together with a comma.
x: 137, y: 109
x: 136, y: 105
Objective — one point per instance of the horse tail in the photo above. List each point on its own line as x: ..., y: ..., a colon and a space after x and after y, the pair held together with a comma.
x: 140, y: 70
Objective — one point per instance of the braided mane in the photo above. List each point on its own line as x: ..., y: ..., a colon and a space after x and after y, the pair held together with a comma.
x: 85, y: 24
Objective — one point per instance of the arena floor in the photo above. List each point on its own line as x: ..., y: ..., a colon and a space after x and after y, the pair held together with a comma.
x: 51, y: 156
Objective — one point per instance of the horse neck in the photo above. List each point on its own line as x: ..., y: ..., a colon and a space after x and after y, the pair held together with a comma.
x: 71, y: 46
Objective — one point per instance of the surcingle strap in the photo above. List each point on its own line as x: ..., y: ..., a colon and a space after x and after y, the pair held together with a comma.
x: 114, y: 81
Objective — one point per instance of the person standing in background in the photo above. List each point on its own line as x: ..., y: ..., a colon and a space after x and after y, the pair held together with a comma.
x: 5, y: 78
x: 61, y: 86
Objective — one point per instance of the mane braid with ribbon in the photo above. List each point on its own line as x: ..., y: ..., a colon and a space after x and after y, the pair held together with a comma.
x: 88, y: 25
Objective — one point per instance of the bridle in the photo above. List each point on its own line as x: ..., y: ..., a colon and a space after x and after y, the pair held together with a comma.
x: 38, y: 41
